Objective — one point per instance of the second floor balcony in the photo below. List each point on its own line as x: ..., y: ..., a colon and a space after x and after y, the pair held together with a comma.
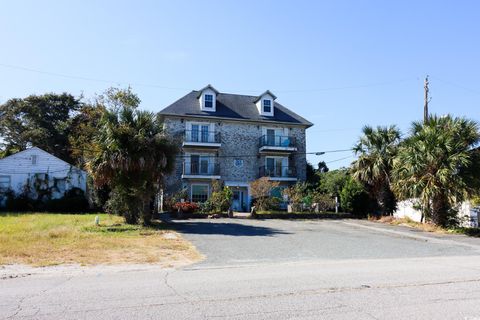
x: 287, y: 173
x: 201, y: 138
x: 277, y: 143
x: 201, y: 169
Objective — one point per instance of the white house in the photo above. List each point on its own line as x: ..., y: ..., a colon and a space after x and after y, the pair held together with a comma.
x: 35, y: 169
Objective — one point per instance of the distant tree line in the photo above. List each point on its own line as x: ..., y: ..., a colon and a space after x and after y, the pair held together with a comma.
x: 124, y: 149
x: 436, y: 166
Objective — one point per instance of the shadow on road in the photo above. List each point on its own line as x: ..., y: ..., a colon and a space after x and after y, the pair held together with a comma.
x: 229, y: 229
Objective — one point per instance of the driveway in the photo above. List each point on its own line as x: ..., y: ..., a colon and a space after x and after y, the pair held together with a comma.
x: 243, y: 241
x: 272, y: 269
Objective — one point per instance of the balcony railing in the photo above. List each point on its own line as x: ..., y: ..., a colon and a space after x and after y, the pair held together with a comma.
x: 277, y: 141
x: 278, y: 172
x: 201, y: 168
x: 202, y: 136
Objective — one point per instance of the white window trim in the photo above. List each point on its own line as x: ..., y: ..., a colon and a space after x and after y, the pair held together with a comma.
x: 205, y: 101
x: 200, y: 123
x: 214, y: 101
x: 260, y: 106
x: 264, y: 105
x: 199, y: 184
x: 209, y: 156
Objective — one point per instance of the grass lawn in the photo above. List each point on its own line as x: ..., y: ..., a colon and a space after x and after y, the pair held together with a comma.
x: 42, y: 239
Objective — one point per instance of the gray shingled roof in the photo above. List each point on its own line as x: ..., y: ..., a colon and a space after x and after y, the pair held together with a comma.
x: 234, y: 106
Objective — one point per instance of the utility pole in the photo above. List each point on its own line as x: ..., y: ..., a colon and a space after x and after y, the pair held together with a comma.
x: 425, y: 106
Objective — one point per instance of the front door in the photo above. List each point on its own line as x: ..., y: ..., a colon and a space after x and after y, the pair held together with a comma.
x: 237, y: 204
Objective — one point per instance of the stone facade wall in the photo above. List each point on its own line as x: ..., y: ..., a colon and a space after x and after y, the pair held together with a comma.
x: 238, y: 141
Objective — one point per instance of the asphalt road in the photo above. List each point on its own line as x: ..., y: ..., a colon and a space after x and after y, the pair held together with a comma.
x: 268, y: 270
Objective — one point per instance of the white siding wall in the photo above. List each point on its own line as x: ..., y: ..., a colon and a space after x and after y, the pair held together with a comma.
x: 468, y: 215
x: 405, y: 209
x: 19, y: 168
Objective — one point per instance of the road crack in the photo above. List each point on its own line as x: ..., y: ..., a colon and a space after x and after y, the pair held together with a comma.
x: 19, y: 307
x: 185, y: 298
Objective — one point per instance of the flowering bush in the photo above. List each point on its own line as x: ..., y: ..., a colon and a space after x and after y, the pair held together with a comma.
x: 188, y: 207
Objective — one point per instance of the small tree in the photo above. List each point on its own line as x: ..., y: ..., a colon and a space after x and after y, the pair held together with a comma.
x: 376, y: 151
x: 354, y: 198
x: 221, y: 198
x: 436, y: 165
x: 296, y: 195
x: 332, y: 182
x: 323, y: 202
x: 132, y: 156
x: 261, y: 191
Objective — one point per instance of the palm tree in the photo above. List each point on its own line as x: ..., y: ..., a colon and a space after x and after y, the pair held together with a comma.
x: 376, y: 150
x: 435, y: 165
x: 132, y: 154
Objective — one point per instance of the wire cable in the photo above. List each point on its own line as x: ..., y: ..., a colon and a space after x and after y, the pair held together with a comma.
x: 76, y: 77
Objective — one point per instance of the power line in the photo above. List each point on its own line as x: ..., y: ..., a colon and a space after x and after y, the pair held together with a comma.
x: 456, y: 85
x: 336, y: 160
x: 350, y: 87
x: 88, y: 78
x: 125, y: 83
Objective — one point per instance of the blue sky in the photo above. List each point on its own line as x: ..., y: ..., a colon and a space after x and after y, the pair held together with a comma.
x: 340, y: 64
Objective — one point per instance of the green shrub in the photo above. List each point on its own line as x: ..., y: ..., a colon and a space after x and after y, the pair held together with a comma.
x: 74, y: 200
x: 20, y: 202
x: 221, y: 200
x: 354, y: 198
x: 205, y: 207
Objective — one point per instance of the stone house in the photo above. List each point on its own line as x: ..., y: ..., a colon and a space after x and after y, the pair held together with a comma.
x: 235, y: 139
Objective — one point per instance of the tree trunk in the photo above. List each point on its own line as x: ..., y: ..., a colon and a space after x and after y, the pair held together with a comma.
x: 439, y: 211
x: 146, y: 213
x: 386, y: 200
x: 130, y: 218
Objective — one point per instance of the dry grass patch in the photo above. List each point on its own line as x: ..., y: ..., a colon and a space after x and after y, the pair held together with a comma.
x: 48, y: 239
x: 427, y: 227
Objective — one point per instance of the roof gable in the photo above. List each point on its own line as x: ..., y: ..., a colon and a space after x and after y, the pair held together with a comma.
x: 235, y: 107
x: 268, y: 92
x: 209, y: 86
x: 29, y: 150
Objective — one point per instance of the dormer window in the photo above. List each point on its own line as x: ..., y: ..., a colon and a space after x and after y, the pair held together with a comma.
x: 267, y: 105
x: 209, y: 101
